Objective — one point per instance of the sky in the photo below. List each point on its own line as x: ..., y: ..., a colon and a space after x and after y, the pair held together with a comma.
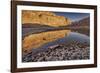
x: 73, y: 16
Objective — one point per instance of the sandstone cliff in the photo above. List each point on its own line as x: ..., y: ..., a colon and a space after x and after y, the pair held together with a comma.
x: 44, y: 18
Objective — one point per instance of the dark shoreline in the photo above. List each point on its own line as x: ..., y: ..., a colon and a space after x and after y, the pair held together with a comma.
x: 56, y: 29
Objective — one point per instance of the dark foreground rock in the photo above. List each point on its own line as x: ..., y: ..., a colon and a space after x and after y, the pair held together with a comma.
x: 59, y: 52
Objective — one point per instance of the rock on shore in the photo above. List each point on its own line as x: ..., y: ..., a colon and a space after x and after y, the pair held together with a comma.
x: 70, y: 51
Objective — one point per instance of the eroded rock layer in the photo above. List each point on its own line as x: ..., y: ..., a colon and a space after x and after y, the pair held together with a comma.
x: 44, y: 18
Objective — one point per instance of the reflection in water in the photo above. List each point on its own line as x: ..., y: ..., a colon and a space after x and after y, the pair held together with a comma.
x: 56, y: 45
x: 37, y: 40
x: 82, y: 31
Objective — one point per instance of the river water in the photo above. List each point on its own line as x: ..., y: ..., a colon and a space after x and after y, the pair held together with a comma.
x: 79, y: 35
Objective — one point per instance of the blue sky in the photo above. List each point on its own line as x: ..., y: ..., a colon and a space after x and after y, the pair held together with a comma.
x: 73, y: 16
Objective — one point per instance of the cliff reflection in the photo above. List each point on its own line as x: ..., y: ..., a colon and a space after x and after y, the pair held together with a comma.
x: 37, y: 40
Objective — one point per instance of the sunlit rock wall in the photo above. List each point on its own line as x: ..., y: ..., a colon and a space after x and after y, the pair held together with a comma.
x: 44, y: 18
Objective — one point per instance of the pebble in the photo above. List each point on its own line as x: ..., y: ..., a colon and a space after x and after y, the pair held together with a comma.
x: 63, y: 52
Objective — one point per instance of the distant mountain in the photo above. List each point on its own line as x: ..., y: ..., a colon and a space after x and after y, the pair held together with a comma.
x: 82, y: 22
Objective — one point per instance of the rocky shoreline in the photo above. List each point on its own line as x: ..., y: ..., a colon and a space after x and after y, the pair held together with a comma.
x: 70, y: 51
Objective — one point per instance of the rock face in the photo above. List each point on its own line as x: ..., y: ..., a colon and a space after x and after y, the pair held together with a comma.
x: 44, y: 18
x: 83, y: 22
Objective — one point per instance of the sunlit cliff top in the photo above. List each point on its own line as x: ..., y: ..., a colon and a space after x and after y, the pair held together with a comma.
x: 44, y: 18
